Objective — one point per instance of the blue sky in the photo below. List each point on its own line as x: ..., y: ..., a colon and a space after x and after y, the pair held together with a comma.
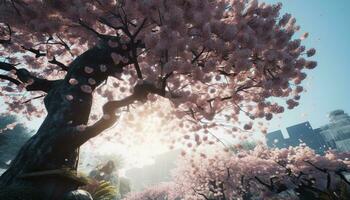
x: 328, y: 86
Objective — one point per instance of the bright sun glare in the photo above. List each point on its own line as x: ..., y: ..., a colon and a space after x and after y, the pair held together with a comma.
x: 141, y: 133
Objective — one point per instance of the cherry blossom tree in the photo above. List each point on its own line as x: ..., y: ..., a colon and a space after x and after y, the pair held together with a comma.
x: 294, y: 173
x: 263, y: 173
x: 207, y: 58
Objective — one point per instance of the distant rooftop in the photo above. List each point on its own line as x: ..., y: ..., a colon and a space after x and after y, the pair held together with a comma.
x: 336, y: 113
x: 338, y: 116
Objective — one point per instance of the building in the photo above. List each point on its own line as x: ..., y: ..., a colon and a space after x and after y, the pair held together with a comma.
x: 276, y: 140
x: 335, y: 135
x: 297, y: 134
x: 304, y: 133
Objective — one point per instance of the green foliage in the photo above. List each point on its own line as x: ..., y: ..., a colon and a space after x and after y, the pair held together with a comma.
x: 245, y: 145
x: 102, y: 190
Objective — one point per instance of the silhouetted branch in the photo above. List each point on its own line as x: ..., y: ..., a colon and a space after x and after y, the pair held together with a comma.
x: 139, y: 28
x: 164, y: 80
x: 61, y: 65
x: 200, y: 194
x: 10, y: 79
x: 99, y: 35
x: 31, y: 82
x: 7, y: 66
x: 197, y: 56
x: 34, y: 83
x: 37, y: 52
x: 37, y: 97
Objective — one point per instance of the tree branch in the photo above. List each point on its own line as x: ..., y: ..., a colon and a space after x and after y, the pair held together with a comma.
x: 99, y: 35
x: 61, y: 65
x: 7, y: 66
x: 270, y: 187
x: 201, y: 194
x: 136, y: 63
x: 109, y: 118
x: 10, y: 79
x: 134, y: 47
x: 139, y: 28
x: 37, y: 52
x: 37, y: 97
x: 107, y: 23
x: 164, y: 80
x: 197, y: 56
x: 32, y: 82
x: 223, y: 72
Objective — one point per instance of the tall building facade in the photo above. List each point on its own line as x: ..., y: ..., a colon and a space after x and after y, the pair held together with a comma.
x: 335, y: 135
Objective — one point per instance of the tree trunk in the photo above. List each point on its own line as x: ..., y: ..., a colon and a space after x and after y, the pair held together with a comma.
x: 48, y: 149
x: 52, y: 148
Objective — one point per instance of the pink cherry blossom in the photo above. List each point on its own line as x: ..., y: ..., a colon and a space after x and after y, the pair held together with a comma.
x: 204, y: 59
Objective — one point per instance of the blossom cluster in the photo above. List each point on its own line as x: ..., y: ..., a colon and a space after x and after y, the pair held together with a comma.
x: 212, y: 58
x: 260, y: 173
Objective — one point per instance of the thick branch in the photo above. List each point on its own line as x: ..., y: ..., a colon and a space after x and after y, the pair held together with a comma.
x: 109, y: 118
x: 32, y: 82
x: 10, y: 79
x: 7, y: 66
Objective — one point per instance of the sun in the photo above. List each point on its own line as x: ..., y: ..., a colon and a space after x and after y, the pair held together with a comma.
x: 142, y: 132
